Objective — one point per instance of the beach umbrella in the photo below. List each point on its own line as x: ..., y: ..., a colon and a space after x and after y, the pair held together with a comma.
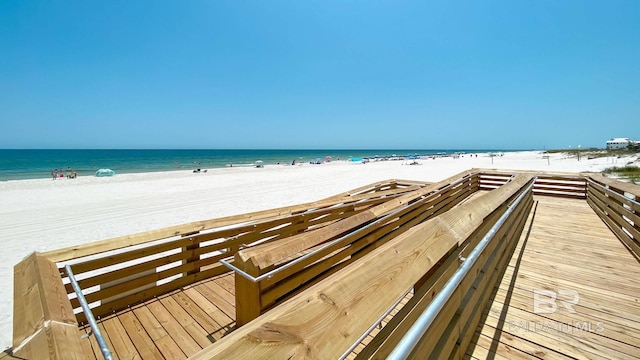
x: 259, y: 164
x: 105, y: 172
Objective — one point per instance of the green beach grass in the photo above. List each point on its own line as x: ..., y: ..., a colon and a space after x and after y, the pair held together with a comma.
x: 629, y: 173
x: 593, y: 152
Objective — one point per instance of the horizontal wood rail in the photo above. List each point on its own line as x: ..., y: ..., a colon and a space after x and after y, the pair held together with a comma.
x: 558, y: 185
x: 325, y: 319
x: 394, y: 184
x: 95, y: 329
x: 268, y: 273
x: 618, y: 205
x: 122, y: 277
x: 432, y: 283
x: 445, y: 328
x: 370, y: 191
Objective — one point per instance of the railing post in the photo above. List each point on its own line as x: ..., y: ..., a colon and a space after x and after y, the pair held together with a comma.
x: 248, y: 300
x: 190, y: 251
x: 44, y: 326
x: 232, y: 250
x: 304, y: 222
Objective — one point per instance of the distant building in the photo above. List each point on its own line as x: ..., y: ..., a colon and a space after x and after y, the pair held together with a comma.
x: 618, y: 143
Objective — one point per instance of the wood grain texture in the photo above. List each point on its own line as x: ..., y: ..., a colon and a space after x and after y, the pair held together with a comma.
x: 564, y: 244
x: 101, y: 246
x: 325, y: 319
x: 620, y: 185
x: 355, y: 243
x: 44, y: 325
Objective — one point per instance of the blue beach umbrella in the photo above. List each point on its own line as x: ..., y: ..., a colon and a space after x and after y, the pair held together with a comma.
x: 105, y: 172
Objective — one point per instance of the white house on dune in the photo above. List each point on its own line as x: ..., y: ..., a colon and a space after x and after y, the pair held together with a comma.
x: 619, y: 143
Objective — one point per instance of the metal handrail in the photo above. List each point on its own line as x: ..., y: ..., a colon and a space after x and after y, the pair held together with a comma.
x: 376, y: 323
x: 87, y: 312
x: 391, y: 215
x: 413, y: 336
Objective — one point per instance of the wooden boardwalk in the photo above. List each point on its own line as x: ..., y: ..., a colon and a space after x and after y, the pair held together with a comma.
x: 172, y: 326
x: 565, y: 248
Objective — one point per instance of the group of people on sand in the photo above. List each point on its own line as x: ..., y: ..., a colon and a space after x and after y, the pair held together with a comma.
x: 70, y: 174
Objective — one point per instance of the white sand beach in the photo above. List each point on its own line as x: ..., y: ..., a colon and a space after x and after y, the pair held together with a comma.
x: 41, y: 215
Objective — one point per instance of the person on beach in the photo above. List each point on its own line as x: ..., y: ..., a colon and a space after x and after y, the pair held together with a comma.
x: 54, y: 174
x: 70, y: 173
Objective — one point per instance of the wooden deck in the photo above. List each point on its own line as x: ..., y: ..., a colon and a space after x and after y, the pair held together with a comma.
x: 558, y: 252
x: 172, y: 326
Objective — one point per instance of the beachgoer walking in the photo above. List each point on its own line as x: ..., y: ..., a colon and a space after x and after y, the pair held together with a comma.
x: 54, y: 174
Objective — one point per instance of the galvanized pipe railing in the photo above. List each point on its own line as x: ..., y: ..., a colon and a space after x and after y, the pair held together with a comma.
x: 373, y: 326
x: 87, y: 312
x: 391, y: 215
x: 413, y: 336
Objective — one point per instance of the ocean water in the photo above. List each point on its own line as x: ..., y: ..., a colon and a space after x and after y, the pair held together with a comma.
x: 35, y: 164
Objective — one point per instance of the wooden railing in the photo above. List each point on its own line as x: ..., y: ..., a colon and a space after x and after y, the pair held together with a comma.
x: 558, y: 185
x: 269, y: 273
x: 155, y: 263
x: 617, y: 204
x: 455, y: 324
x: 44, y: 325
x: 324, y: 320
x: 404, y: 234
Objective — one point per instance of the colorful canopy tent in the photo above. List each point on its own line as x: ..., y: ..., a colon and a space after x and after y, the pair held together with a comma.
x: 105, y: 172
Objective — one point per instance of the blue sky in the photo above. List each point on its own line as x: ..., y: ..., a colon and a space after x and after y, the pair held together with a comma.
x: 318, y: 74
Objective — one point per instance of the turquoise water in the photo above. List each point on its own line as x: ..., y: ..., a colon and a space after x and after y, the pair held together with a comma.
x: 35, y: 164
